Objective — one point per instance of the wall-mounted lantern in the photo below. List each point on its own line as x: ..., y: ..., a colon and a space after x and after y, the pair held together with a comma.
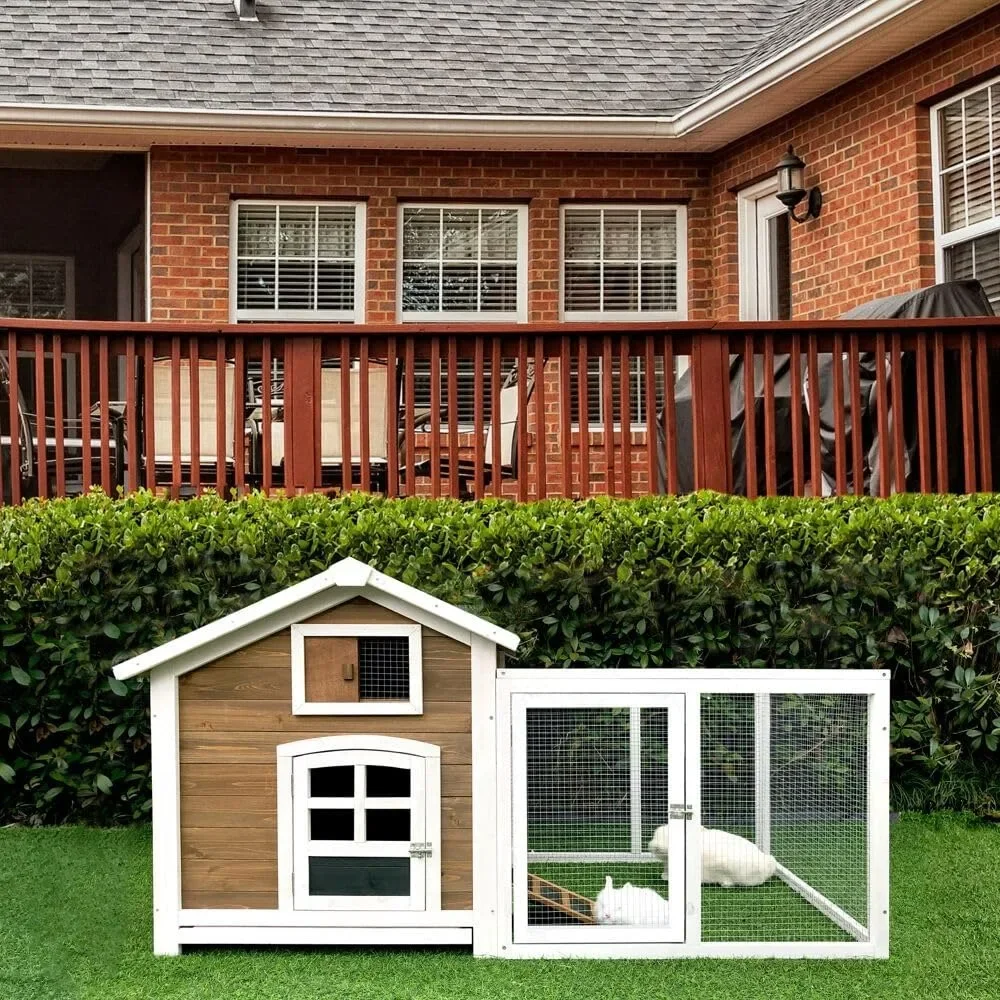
x: 791, y: 189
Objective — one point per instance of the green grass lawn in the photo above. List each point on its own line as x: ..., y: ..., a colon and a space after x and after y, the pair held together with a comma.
x: 75, y: 923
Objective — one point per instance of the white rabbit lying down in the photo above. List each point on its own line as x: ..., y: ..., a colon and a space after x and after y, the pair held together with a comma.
x: 630, y: 906
x: 726, y: 859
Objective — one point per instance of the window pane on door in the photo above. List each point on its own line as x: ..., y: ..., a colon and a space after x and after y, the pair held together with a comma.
x: 359, y: 876
x: 332, y: 782
x: 387, y: 782
x: 387, y: 824
x: 331, y: 824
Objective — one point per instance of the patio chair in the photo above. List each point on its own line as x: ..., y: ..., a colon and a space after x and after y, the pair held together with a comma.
x: 161, y: 447
x: 509, y: 458
x: 332, y: 430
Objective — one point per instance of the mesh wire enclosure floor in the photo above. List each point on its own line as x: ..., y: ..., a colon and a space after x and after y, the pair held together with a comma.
x: 384, y: 668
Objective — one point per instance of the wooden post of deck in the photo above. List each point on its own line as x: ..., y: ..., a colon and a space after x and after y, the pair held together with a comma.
x: 713, y: 466
x: 302, y: 407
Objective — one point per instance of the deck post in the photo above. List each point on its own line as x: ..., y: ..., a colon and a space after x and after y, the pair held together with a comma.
x: 713, y: 469
x: 302, y: 407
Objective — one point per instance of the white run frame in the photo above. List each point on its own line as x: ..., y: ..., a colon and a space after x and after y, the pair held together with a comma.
x: 519, y: 688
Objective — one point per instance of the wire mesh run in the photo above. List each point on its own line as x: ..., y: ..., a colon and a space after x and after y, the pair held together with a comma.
x: 783, y: 802
x: 384, y: 668
x: 784, y: 816
x: 597, y: 783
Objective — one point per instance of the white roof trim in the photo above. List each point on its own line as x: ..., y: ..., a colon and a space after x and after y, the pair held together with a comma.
x: 699, y: 126
x: 345, y: 579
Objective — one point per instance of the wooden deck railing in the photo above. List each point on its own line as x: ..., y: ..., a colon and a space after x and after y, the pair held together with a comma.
x: 522, y: 411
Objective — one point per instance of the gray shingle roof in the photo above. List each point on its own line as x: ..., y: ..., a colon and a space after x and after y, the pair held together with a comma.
x: 530, y: 57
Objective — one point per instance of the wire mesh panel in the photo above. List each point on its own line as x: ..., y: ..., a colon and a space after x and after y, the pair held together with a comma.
x: 384, y: 668
x: 598, y: 784
x: 783, y: 800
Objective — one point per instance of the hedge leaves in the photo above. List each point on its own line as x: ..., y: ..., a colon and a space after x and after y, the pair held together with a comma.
x: 910, y: 584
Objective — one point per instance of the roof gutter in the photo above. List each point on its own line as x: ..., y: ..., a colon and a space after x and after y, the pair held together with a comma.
x: 801, y: 56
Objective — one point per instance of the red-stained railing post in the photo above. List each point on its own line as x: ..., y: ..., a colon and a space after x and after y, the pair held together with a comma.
x: 301, y: 401
x: 713, y: 467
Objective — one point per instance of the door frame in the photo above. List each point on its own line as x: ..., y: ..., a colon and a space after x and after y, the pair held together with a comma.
x: 749, y: 257
x: 568, y: 934
x: 429, y: 755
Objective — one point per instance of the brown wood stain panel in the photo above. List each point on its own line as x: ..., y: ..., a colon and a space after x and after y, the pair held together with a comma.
x: 236, y: 711
x: 331, y: 668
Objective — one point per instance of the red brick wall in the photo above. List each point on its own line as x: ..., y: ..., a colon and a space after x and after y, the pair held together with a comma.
x: 868, y: 147
x: 192, y: 190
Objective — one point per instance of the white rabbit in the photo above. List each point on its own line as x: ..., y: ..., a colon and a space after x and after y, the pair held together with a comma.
x: 630, y: 906
x: 726, y: 859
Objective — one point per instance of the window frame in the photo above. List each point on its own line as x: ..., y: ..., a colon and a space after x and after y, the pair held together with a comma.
x: 355, y: 315
x: 944, y: 240
x: 413, y: 706
x: 68, y: 260
x: 619, y: 315
x: 519, y: 315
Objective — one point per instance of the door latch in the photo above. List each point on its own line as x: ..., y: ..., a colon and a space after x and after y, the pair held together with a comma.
x: 677, y: 811
x: 420, y: 850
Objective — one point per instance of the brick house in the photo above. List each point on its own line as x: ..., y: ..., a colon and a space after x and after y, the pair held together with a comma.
x: 559, y: 188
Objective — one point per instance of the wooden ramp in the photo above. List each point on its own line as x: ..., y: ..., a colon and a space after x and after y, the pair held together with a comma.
x: 555, y: 897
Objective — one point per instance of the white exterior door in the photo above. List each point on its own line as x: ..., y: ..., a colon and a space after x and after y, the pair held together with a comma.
x: 360, y: 825
x: 595, y: 777
x: 765, y: 255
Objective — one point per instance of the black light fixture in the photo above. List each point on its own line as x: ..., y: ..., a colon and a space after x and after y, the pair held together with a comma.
x: 791, y: 190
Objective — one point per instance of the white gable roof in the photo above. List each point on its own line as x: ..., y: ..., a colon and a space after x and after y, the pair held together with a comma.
x: 342, y: 581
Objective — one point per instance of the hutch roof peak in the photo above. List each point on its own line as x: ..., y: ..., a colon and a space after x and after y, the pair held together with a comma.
x: 341, y: 582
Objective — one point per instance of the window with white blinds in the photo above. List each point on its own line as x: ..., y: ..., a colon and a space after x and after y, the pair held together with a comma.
x: 966, y: 132
x: 636, y: 382
x: 463, y: 262
x: 36, y: 286
x: 624, y: 262
x: 465, y: 397
x: 298, y: 261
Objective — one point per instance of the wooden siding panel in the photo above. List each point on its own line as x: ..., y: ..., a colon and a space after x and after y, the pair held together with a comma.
x: 233, y: 715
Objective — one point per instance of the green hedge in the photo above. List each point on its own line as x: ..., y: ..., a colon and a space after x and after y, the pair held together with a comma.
x: 912, y: 584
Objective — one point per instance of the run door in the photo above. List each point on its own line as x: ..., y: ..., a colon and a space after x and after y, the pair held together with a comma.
x: 595, y: 779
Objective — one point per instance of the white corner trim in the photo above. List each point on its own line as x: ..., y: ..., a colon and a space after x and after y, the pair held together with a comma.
x: 164, y: 735
x: 485, y: 840
x: 344, y: 580
x: 414, y: 705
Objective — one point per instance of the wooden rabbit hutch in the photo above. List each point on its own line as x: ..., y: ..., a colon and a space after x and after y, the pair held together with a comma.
x: 350, y: 762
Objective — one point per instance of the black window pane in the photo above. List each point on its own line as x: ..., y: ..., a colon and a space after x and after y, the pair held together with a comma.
x: 359, y: 876
x: 387, y: 782
x: 387, y: 824
x: 331, y: 824
x: 332, y: 782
